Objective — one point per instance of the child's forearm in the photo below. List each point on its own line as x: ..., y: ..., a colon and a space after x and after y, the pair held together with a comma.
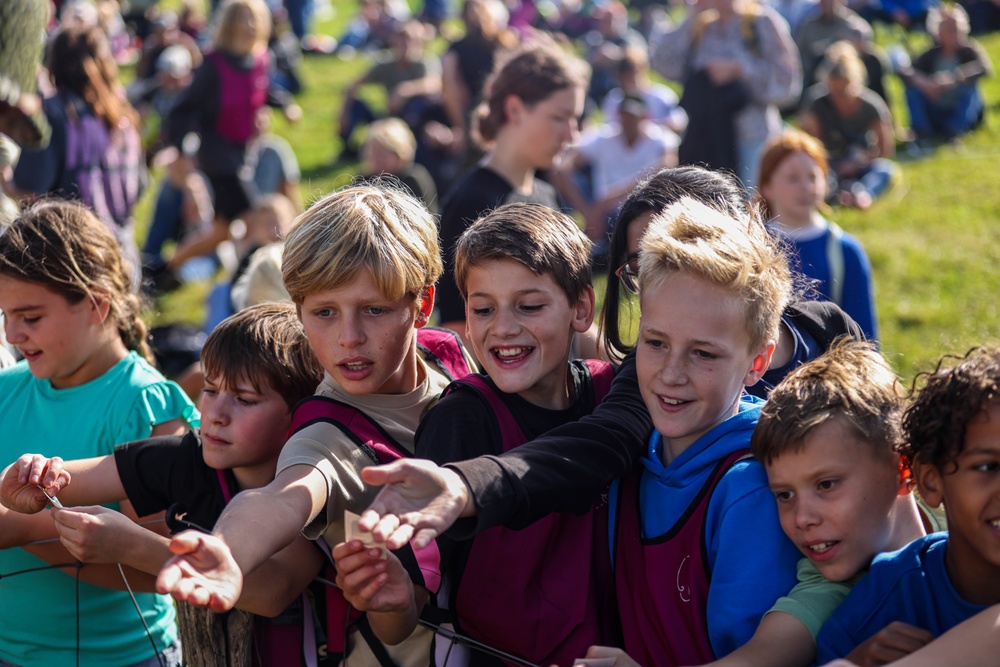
x: 781, y: 640
x: 970, y: 644
x: 18, y: 530
x: 269, y: 589
x: 394, y: 627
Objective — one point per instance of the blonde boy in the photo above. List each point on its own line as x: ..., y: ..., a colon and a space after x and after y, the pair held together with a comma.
x: 360, y: 266
x: 704, y: 551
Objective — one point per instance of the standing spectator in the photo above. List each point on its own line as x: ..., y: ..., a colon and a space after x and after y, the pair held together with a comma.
x: 942, y: 94
x: 532, y: 101
x: 95, y: 154
x: 855, y: 127
x: 222, y: 103
x: 738, y: 65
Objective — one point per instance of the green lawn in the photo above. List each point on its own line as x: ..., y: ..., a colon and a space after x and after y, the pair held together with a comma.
x: 934, y: 241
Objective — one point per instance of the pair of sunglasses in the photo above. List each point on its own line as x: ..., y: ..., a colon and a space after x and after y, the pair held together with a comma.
x: 628, y: 274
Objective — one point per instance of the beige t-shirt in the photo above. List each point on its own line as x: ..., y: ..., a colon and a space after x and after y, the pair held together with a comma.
x: 326, y: 448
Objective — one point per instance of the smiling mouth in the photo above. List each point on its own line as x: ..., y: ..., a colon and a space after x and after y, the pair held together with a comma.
x: 511, y: 354
x: 821, y: 548
x: 356, y: 365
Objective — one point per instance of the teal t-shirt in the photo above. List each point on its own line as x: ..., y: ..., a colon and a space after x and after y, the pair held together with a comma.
x: 38, y: 610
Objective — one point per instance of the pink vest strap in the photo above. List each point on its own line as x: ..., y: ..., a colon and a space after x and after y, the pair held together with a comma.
x: 662, y: 581
x: 546, y: 595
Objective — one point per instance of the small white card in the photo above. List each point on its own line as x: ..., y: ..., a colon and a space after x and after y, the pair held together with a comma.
x: 352, y: 532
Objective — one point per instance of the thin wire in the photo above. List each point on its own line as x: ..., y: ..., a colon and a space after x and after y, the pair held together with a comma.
x: 160, y: 659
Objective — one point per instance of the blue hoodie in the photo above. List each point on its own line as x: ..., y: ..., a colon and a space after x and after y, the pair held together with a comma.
x: 752, y: 561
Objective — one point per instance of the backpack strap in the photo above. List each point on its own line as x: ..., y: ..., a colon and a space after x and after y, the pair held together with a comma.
x: 602, y: 374
x: 443, y: 348
x: 511, y: 434
x: 835, y: 260
x: 366, y: 433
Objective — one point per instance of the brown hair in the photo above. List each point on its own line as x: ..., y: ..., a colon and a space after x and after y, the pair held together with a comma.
x: 533, y: 73
x: 851, y: 382
x: 80, y: 61
x: 264, y: 344
x: 62, y: 246
x: 542, y: 239
x: 949, y: 398
x: 231, y: 34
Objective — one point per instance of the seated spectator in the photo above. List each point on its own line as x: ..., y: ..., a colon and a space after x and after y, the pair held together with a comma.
x: 855, y: 127
x: 605, y: 48
x: 942, y: 92
x: 984, y: 15
x: 155, y: 97
x: 374, y: 27
x: 662, y: 104
x: 619, y: 155
x: 388, y: 151
x: 908, y: 14
x: 271, y: 166
x: 411, y: 77
x: 793, y: 175
x: 165, y: 32
x: 833, y: 23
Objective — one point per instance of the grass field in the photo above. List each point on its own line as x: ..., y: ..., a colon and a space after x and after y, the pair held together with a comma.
x: 934, y: 240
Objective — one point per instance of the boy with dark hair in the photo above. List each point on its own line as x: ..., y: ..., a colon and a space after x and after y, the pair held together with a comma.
x: 524, y: 272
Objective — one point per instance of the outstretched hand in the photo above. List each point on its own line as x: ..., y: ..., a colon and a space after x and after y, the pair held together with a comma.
x: 369, y: 582
x: 19, y: 488
x: 203, y: 572
x: 419, y: 501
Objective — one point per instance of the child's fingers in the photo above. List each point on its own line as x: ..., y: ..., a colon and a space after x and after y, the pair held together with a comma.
x: 351, y: 562
x: 345, y: 549
x: 354, y: 581
x: 185, y: 542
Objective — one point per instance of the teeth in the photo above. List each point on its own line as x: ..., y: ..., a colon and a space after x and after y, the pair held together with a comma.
x: 821, y: 547
x: 671, y: 401
x: 357, y: 366
x: 511, y: 352
x: 995, y: 523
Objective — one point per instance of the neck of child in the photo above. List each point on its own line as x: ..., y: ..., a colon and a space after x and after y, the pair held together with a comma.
x: 505, y: 160
x: 791, y: 221
x: 102, y: 360
x: 257, y: 476
x: 908, y: 523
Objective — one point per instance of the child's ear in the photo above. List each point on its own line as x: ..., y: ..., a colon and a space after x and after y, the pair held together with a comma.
x: 929, y: 483
x: 425, y: 306
x: 583, y: 312
x: 759, y: 364
x: 100, y: 304
x: 513, y: 107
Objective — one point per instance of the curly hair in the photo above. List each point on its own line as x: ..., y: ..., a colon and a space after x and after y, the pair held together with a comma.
x: 935, y: 423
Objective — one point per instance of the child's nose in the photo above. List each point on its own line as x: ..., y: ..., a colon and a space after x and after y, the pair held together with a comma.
x: 673, y: 370
x: 805, y: 514
x: 351, y: 334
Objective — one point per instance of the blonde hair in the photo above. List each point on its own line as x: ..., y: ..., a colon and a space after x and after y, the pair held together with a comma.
x: 360, y: 227
x: 841, y: 60
x: 395, y: 136
x: 739, y: 256
x: 852, y: 382
x: 230, y: 32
